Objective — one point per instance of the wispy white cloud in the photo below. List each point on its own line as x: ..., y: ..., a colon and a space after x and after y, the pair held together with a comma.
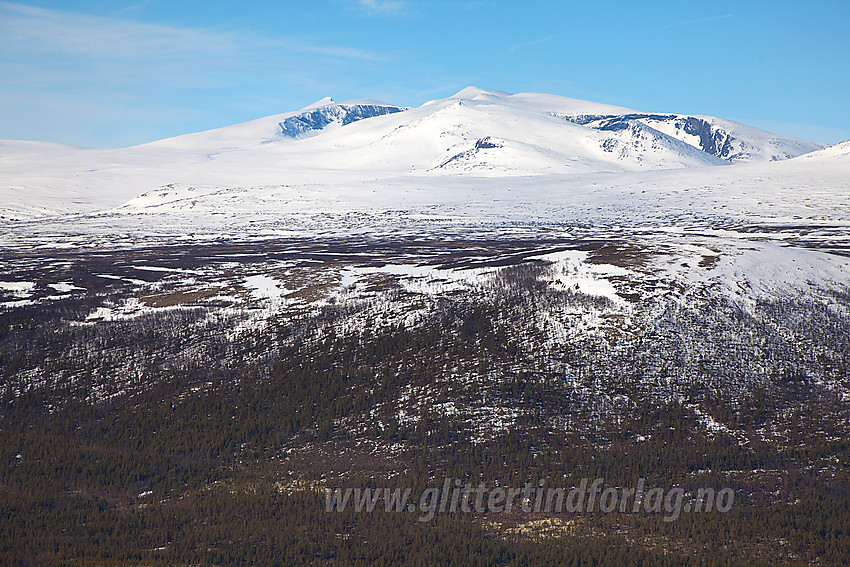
x: 393, y: 8
x: 532, y: 43
x: 41, y: 30
x: 30, y: 28
x: 110, y: 62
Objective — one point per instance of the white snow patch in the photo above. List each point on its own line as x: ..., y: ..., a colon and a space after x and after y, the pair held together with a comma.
x: 266, y: 287
x: 571, y: 270
x: 21, y: 289
x: 65, y: 287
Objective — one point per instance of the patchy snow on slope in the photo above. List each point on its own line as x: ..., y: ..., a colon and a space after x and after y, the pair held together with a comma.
x: 747, y: 271
x: 266, y: 287
x: 65, y: 287
x: 17, y: 288
x: 571, y: 270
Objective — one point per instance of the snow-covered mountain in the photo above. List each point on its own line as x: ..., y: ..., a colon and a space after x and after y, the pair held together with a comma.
x: 473, y: 134
x: 838, y: 153
x: 736, y: 143
x: 324, y: 115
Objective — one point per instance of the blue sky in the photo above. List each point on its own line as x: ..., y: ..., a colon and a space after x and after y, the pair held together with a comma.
x: 111, y: 73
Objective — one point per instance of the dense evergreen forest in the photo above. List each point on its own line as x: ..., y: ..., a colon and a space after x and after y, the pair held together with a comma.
x: 167, y: 438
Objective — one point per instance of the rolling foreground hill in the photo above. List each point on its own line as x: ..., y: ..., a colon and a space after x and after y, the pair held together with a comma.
x: 204, y: 339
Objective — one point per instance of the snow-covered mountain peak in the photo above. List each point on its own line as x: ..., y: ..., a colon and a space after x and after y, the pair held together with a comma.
x: 476, y: 93
x: 476, y: 134
x: 839, y: 152
x: 534, y: 102
x: 327, y: 101
x: 302, y: 123
x: 313, y: 120
x: 555, y: 104
x: 724, y: 139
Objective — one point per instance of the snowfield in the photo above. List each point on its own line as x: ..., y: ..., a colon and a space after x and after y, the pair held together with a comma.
x: 352, y: 149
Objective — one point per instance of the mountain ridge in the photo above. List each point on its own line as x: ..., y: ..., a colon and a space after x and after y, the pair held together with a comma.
x: 474, y: 134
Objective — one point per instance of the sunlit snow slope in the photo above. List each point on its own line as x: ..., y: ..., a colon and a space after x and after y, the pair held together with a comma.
x: 345, y: 148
